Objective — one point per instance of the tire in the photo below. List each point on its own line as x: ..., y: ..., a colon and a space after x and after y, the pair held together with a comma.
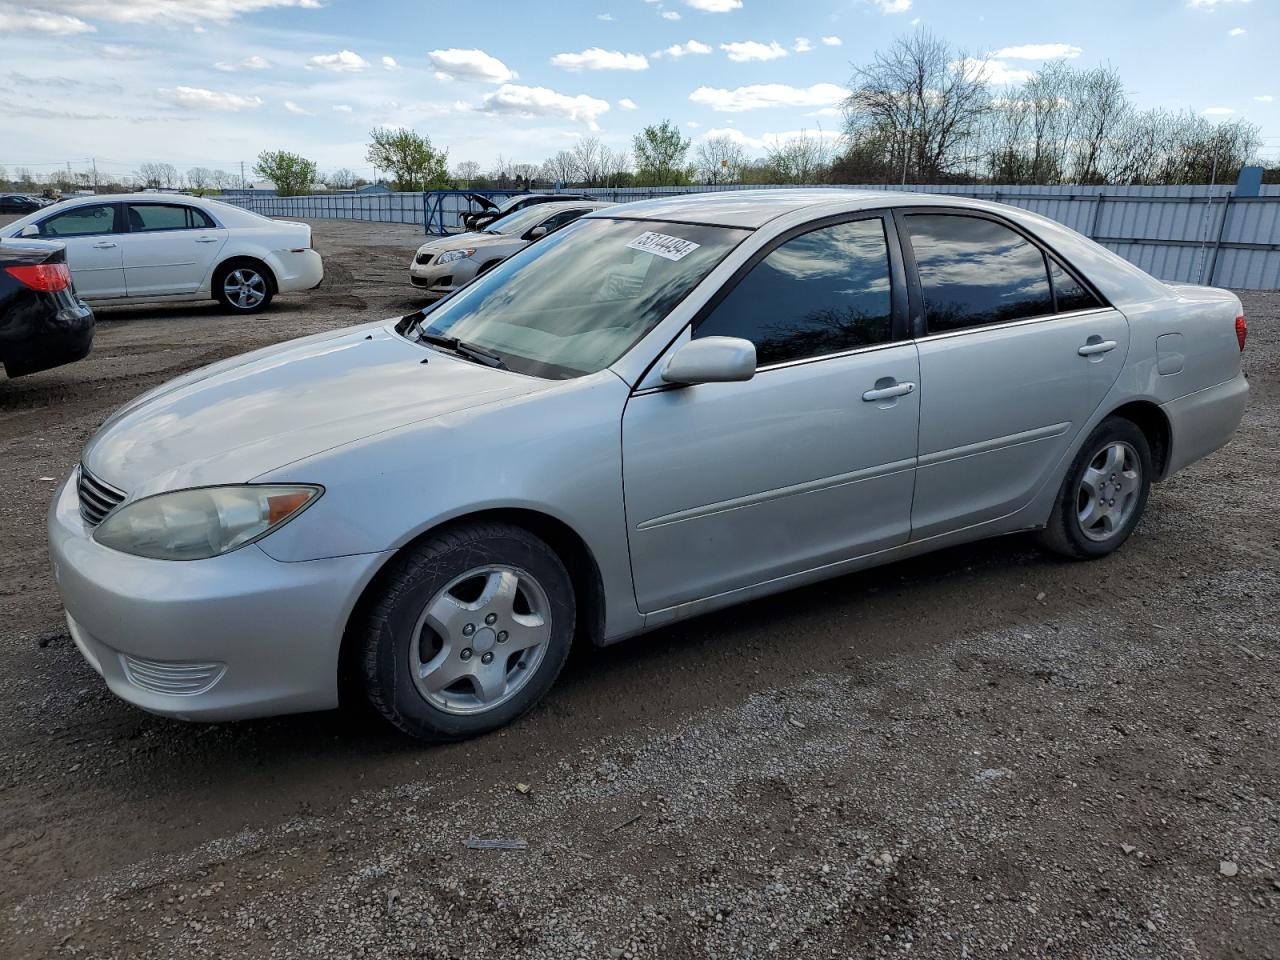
x: 1103, y: 494
x: 470, y: 629
x: 252, y: 294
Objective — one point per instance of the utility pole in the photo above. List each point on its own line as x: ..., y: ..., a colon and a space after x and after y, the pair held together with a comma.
x: 241, y: 176
x: 94, y: 161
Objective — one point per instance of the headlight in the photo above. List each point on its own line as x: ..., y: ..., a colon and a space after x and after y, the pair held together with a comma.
x: 202, y: 523
x: 451, y: 255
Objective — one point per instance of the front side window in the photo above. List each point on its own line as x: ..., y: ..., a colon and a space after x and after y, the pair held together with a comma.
x: 80, y: 221
x: 822, y: 292
x: 575, y: 302
x: 145, y: 217
x: 975, y: 272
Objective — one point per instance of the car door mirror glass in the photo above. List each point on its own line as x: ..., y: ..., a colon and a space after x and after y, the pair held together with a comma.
x: 712, y: 360
x: 30, y: 230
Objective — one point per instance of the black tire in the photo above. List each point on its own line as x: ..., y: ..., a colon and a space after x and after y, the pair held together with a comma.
x: 393, y: 640
x: 1065, y: 533
x: 246, y: 268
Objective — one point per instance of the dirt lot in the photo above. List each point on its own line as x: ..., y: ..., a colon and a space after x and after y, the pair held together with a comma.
x: 979, y: 753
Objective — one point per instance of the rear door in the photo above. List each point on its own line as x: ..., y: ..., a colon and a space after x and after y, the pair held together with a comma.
x: 94, y: 250
x: 170, y: 248
x: 1015, y: 355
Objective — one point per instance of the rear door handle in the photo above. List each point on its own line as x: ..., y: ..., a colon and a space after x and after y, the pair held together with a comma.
x: 888, y: 393
x: 103, y: 245
x: 206, y: 239
x: 1092, y: 349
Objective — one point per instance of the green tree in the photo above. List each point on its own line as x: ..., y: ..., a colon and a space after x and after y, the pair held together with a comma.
x: 660, y: 153
x: 409, y: 158
x: 292, y: 174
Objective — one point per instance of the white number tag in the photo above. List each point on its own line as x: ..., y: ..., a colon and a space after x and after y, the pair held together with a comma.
x: 661, y: 245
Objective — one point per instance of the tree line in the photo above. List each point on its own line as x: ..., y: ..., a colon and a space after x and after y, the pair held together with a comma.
x: 921, y: 111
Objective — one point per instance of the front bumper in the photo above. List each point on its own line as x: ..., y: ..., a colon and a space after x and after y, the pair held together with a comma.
x: 442, y: 278
x: 237, y: 636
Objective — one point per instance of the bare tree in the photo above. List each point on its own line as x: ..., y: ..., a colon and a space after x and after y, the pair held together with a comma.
x: 199, y: 178
x: 588, y: 161
x: 803, y: 158
x: 561, y: 168
x: 466, y: 170
x: 922, y: 99
x: 719, y: 159
x: 341, y: 179
x: 616, y: 165
x: 524, y: 171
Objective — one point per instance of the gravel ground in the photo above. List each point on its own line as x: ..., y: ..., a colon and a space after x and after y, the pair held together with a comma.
x: 979, y: 753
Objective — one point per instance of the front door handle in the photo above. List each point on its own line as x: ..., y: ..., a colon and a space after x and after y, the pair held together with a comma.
x: 103, y: 245
x: 889, y: 392
x: 206, y: 239
x: 1095, y: 347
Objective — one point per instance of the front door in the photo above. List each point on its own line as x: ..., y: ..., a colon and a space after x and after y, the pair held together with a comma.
x: 94, y: 253
x: 811, y: 462
x: 1013, y: 360
x: 170, y: 248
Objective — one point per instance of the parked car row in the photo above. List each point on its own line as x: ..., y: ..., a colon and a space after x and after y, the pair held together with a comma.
x: 21, y: 203
x: 658, y: 410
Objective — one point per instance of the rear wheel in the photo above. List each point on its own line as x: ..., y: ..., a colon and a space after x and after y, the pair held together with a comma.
x: 1104, y: 492
x: 471, y: 629
x: 243, y: 287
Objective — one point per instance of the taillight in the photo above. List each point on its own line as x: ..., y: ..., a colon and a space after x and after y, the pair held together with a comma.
x: 1242, y: 331
x: 45, y: 277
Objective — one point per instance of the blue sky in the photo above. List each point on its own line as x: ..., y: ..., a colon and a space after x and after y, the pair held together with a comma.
x: 213, y: 82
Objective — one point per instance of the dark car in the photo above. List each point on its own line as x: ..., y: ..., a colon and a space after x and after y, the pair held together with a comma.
x: 493, y: 211
x: 17, y: 203
x: 43, y: 323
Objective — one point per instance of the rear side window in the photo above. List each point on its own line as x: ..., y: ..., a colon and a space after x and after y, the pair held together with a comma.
x: 822, y: 292
x: 975, y: 272
x: 1067, y: 293
x: 165, y: 216
x: 80, y: 221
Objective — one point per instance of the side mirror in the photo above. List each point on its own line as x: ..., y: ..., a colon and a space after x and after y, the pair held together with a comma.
x: 537, y: 233
x: 30, y: 230
x: 712, y: 360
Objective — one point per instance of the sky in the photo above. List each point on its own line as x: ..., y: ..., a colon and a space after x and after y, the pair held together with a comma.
x: 214, y: 82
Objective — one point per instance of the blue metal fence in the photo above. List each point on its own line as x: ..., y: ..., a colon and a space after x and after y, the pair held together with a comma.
x: 1187, y: 234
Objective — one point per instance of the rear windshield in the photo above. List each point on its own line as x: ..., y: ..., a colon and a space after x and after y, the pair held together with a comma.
x: 577, y: 300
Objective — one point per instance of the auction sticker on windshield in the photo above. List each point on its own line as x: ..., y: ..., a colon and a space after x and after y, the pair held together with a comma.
x: 659, y: 244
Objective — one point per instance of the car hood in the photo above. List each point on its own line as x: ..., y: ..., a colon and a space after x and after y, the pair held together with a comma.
x: 465, y: 241
x: 244, y: 417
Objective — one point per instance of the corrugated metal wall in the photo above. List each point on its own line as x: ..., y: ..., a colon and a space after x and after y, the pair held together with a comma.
x: 1184, y: 234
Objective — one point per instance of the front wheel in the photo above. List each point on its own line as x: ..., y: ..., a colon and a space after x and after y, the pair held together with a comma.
x: 471, y: 629
x: 243, y: 288
x: 1103, y: 494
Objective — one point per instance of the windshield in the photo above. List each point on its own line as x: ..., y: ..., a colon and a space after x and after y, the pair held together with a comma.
x: 520, y: 221
x: 575, y: 302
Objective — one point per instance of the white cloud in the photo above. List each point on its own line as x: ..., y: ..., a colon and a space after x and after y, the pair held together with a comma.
x: 249, y: 63
x: 768, y: 139
x: 294, y: 108
x: 606, y: 17
x: 626, y: 103
x: 456, y: 64
x: 831, y: 41
x: 692, y: 124
x: 1038, y: 51
x: 681, y: 49
x: 714, y: 6
x: 670, y: 15
x: 748, y: 50
x: 596, y: 58
x: 118, y: 51
x: 802, y: 45
x: 344, y: 61
x: 389, y: 63
x: 1210, y: 4
x: 994, y: 72
x: 169, y: 11
x: 341, y: 108
x: 521, y: 101
x: 1218, y: 111
x: 1265, y: 98
x: 198, y: 98
x: 1237, y: 32
x: 761, y: 95
x: 40, y: 21
x: 893, y: 6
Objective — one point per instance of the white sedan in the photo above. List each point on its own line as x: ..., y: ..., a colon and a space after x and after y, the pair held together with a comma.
x: 156, y: 248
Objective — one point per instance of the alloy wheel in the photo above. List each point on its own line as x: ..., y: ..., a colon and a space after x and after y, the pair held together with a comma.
x: 1109, y: 491
x: 245, y: 288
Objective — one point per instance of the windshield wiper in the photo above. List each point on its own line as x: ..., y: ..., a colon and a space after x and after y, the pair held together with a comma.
x: 468, y: 350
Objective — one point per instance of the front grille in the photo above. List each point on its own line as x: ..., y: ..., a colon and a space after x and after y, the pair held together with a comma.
x: 171, y: 677
x: 97, y: 499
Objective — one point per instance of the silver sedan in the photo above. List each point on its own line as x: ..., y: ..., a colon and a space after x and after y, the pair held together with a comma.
x: 658, y: 411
